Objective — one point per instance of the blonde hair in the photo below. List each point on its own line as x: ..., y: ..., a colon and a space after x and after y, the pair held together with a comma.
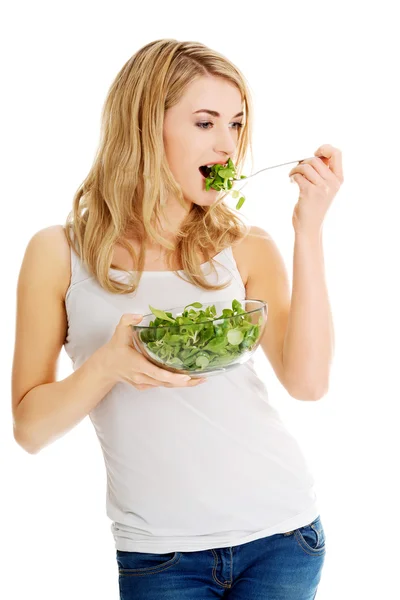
x: 130, y: 179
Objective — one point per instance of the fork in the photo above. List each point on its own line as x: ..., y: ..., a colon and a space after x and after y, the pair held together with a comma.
x: 274, y: 167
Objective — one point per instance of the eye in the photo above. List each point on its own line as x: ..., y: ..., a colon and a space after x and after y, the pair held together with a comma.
x: 200, y: 125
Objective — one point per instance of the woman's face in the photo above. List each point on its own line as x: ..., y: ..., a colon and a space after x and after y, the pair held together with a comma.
x: 192, y: 140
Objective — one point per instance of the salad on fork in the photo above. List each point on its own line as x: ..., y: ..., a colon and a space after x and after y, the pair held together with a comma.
x: 223, y: 177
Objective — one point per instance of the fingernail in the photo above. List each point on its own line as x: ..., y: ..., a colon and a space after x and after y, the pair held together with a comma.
x: 185, y: 377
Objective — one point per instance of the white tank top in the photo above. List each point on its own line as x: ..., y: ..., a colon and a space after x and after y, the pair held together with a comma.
x: 188, y: 469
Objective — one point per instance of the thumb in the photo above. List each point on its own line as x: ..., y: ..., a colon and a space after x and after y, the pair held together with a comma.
x: 130, y: 319
x: 123, y: 330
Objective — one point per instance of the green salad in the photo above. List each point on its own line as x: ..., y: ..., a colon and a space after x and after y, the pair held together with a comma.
x: 195, y: 341
x: 220, y: 177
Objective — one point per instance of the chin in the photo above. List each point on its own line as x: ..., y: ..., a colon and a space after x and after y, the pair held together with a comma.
x: 206, y: 199
x: 205, y: 203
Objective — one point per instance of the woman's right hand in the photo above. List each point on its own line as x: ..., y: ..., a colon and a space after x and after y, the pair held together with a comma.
x: 129, y: 365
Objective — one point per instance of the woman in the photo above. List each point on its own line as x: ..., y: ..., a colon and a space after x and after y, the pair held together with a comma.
x: 208, y: 493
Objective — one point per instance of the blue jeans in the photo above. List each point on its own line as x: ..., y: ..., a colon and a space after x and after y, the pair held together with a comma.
x: 284, y: 566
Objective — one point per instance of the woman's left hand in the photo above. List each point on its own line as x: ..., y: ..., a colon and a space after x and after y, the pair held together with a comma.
x: 319, y: 180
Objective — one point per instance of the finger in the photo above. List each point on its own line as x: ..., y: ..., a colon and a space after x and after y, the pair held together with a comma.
x: 155, y: 383
x: 144, y: 379
x: 149, y: 369
x: 334, y: 156
x: 308, y: 172
x: 164, y: 376
x: 320, y: 167
x: 192, y: 383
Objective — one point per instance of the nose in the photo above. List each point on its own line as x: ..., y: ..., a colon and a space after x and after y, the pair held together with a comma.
x: 225, y: 143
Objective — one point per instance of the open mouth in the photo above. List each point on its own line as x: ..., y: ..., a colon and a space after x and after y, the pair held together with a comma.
x: 205, y: 171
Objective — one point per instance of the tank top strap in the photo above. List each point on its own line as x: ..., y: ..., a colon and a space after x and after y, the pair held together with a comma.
x: 78, y: 272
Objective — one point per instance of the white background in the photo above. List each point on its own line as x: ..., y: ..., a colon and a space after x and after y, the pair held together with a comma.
x: 319, y: 73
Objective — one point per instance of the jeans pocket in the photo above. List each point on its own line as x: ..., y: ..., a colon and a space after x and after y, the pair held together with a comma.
x: 139, y: 563
x: 312, y: 537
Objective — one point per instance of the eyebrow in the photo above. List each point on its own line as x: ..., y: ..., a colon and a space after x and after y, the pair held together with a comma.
x: 214, y: 113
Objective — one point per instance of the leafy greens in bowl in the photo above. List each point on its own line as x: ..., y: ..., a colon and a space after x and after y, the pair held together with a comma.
x: 212, y: 340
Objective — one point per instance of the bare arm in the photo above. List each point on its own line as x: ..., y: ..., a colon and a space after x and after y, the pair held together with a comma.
x: 50, y: 410
x: 43, y: 408
x: 309, y: 341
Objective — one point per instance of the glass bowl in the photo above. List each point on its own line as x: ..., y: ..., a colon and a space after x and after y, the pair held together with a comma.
x: 215, y: 339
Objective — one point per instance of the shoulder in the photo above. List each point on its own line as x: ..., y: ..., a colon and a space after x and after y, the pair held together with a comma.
x: 254, y: 237
x: 259, y: 256
x: 50, y: 247
x: 257, y: 233
x: 259, y: 245
x: 245, y: 249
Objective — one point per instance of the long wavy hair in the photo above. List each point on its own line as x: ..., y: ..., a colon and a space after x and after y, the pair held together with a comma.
x: 127, y: 186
